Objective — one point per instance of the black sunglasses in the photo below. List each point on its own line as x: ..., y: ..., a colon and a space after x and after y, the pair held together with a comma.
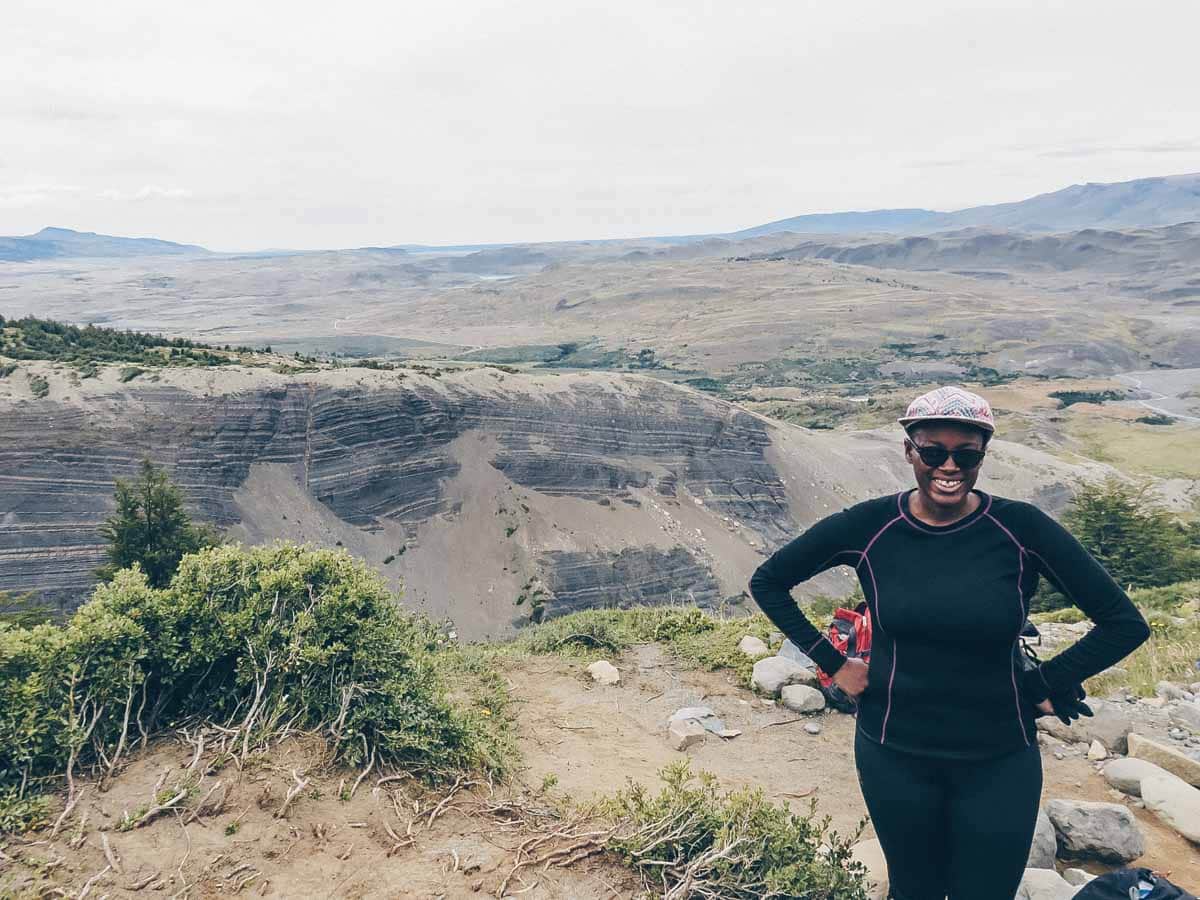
x: 964, y: 457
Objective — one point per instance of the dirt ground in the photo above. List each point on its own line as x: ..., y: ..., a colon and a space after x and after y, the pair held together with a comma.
x: 395, y: 839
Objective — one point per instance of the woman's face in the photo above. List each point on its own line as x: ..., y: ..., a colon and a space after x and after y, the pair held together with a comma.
x: 944, y: 485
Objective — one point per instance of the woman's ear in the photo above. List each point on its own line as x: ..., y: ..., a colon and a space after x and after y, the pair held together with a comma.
x: 908, y: 450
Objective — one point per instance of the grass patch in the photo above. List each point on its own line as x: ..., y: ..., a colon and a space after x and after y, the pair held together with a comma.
x: 694, y: 637
x: 1165, y: 452
x: 1170, y: 654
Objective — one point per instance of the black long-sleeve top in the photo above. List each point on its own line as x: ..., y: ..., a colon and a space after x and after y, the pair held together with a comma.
x: 947, y: 604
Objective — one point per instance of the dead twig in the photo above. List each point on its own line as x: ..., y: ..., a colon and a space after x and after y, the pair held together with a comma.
x: 292, y: 794
x: 114, y: 861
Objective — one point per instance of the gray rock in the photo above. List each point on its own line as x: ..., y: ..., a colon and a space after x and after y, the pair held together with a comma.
x: 1175, y: 803
x: 1169, y: 758
x: 1077, y: 877
x: 683, y: 733
x: 693, y: 712
x: 795, y: 654
x: 802, y: 699
x: 774, y: 673
x: 1169, y: 691
x: 812, y: 727
x: 1045, y: 844
x: 754, y: 647
x: 1185, y: 713
x: 1110, y: 726
x: 1126, y: 774
x: 604, y: 672
x: 1087, y: 830
x: 704, y: 716
x: 1096, y: 752
x: 1044, y: 884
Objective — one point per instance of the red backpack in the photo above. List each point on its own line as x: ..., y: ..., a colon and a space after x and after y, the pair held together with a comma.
x: 850, y: 633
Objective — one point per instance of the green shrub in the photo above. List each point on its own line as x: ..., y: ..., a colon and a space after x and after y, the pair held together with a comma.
x: 129, y: 373
x: 1169, y: 597
x: 7, y: 369
x: 39, y: 386
x: 249, y: 638
x: 732, y: 845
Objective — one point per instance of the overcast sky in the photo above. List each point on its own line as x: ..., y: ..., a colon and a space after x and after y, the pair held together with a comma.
x: 257, y: 123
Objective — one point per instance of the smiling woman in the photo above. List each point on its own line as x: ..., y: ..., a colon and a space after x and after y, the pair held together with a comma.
x: 945, y: 743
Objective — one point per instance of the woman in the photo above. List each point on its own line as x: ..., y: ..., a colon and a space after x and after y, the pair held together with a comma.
x: 945, y: 744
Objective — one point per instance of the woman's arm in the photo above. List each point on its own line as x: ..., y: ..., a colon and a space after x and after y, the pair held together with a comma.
x: 1120, y: 628
x: 826, y: 544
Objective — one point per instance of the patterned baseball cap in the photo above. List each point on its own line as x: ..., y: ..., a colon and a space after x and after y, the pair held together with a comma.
x: 950, y: 404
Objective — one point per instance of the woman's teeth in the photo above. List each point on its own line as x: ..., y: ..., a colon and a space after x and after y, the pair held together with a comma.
x: 947, y: 485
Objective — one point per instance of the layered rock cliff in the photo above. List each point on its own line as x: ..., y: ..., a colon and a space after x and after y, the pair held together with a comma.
x: 474, y: 490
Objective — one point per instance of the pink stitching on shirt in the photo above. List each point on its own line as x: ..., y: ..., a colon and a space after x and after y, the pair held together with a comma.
x: 1021, y: 607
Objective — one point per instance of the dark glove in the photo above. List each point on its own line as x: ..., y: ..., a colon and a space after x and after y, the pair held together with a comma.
x: 1068, y: 704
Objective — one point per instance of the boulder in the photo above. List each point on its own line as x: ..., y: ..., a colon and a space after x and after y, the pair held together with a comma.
x: 1175, y: 803
x: 1110, y: 726
x: 795, y: 654
x: 1044, y: 884
x: 685, y: 732
x: 754, y: 647
x: 1165, y: 757
x: 1103, y: 831
x: 870, y: 854
x: 1126, y: 774
x: 1045, y: 844
x: 774, y: 673
x: 705, y: 718
x: 802, y: 699
x: 1077, y: 877
x: 604, y: 672
x: 1169, y: 691
x: 1096, y: 752
x: 1186, y: 714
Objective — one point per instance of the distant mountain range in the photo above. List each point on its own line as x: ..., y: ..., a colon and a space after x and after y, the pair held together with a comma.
x: 62, y: 243
x: 1147, y: 201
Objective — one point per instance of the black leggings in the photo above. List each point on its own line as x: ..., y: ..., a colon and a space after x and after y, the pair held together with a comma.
x: 957, y: 828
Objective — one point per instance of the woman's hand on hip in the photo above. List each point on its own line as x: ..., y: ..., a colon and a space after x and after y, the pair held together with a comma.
x: 852, y: 677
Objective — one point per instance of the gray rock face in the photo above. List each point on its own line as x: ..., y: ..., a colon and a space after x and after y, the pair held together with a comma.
x: 631, y: 577
x: 1110, y: 726
x: 1044, y: 884
x: 1174, y: 802
x: 772, y: 674
x: 1103, y: 831
x: 372, y: 456
x: 801, y: 698
x: 1126, y: 774
x: 1045, y: 844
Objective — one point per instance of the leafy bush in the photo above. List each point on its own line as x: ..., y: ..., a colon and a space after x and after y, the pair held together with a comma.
x: 1069, y: 398
x: 31, y: 338
x: 129, y: 373
x: 692, y: 840
x: 249, y: 638
x: 39, y: 386
x: 1133, y: 536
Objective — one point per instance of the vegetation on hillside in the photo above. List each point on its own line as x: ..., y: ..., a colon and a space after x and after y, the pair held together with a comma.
x: 32, y: 338
x: 151, y: 528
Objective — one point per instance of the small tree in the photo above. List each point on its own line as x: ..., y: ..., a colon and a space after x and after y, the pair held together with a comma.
x: 1140, y: 543
x: 151, y: 528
